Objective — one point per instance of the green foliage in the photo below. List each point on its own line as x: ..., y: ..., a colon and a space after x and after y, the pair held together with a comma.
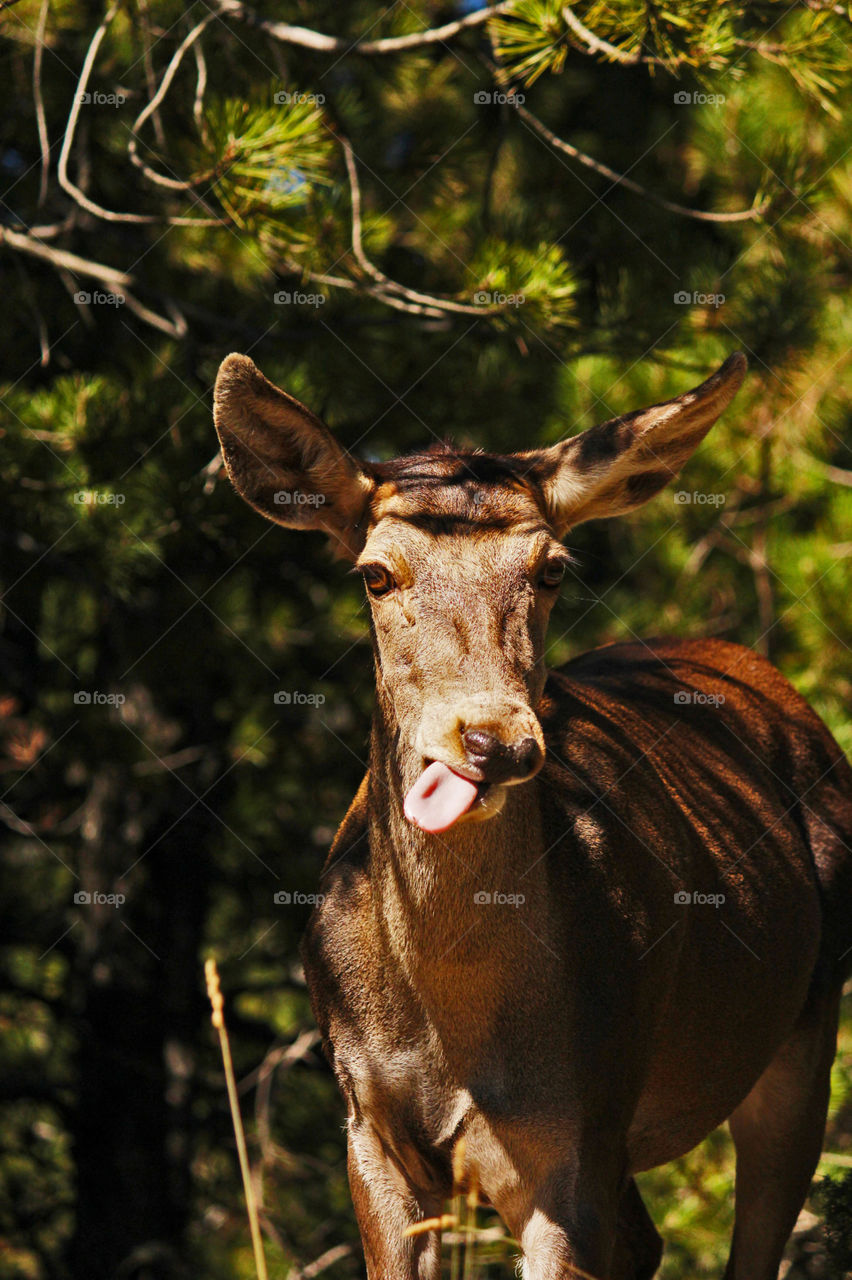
x: 538, y: 281
x: 696, y: 36
x: 266, y: 159
x: 533, y: 39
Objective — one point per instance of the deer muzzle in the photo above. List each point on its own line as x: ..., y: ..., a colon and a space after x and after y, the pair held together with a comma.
x: 469, y: 753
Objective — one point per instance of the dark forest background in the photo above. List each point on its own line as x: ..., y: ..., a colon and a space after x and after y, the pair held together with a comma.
x: 502, y: 235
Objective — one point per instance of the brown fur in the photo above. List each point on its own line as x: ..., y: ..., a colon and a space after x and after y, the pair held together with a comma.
x: 598, y: 1026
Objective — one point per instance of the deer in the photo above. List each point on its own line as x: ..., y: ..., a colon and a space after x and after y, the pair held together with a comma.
x: 573, y: 920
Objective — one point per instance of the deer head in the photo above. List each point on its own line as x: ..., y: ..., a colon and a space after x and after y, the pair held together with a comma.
x: 461, y: 555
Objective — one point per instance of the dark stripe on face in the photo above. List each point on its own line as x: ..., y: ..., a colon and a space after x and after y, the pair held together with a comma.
x: 446, y: 464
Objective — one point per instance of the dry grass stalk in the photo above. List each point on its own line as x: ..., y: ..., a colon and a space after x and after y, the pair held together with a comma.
x: 217, y: 1018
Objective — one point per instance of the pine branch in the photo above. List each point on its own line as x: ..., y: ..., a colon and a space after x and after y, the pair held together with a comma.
x: 595, y: 44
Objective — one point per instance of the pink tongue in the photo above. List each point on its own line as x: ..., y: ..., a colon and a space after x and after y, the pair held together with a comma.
x: 438, y: 798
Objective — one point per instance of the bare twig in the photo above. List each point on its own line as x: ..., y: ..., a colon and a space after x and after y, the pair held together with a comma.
x: 149, y: 71
x: 16, y: 824
x: 62, y: 258
x: 24, y: 828
x: 70, y: 286
x: 41, y: 122
x: 304, y: 38
x: 391, y: 291
x: 38, y: 316
x: 322, y: 1263
x: 200, y: 88
x: 177, y: 760
x: 173, y: 184
x: 816, y: 6
x: 596, y: 45
x: 211, y: 472
x: 176, y: 327
x: 385, y: 290
x: 621, y: 180
x: 282, y: 1055
x: 80, y: 198
x: 48, y: 231
x: 70, y: 129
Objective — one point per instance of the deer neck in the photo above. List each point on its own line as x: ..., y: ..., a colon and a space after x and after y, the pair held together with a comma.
x: 426, y: 885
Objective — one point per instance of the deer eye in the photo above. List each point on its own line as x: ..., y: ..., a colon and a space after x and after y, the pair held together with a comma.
x: 378, y: 581
x: 552, y: 574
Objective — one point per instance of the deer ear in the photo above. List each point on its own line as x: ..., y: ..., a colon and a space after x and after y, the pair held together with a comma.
x: 284, y: 461
x: 620, y: 464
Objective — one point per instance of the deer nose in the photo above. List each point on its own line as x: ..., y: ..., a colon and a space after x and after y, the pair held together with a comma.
x: 499, y: 761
